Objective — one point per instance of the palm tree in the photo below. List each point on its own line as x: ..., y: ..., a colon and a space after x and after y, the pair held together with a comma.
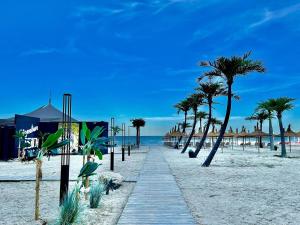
x: 138, y: 123
x: 267, y: 106
x: 20, y: 135
x: 279, y: 105
x: 260, y: 116
x: 182, y: 106
x: 201, y: 116
x: 209, y: 90
x: 228, y: 69
x: 194, y: 100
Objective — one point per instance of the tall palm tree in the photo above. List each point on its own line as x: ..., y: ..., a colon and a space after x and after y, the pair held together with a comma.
x: 279, y: 105
x: 267, y: 106
x: 138, y: 123
x: 182, y: 106
x: 228, y: 69
x: 260, y: 116
x: 194, y: 100
x: 209, y: 90
x: 201, y: 115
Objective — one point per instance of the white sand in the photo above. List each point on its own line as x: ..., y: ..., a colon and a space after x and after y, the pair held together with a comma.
x: 17, y: 198
x: 240, y: 187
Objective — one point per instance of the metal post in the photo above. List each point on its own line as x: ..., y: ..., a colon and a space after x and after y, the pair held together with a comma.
x: 112, y: 150
x: 129, y: 147
x: 123, y: 141
x: 65, y: 154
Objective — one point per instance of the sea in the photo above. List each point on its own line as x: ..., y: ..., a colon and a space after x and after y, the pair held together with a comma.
x: 145, y: 140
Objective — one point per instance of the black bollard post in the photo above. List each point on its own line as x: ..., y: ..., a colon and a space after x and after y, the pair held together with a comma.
x: 128, y: 150
x: 65, y: 156
x: 123, y: 141
x: 112, y: 151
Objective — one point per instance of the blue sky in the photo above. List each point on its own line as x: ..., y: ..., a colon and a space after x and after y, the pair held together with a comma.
x: 138, y: 58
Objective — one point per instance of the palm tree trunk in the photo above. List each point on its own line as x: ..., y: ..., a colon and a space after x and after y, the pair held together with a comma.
x: 271, y: 134
x: 183, y: 131
x: 192, y: 133
x: 223, y: 129
x: 204, y: 134
x: 200, y: 128
x: 260, y: 138
x: 37, y: 188
x: 283, y: 149
x: 137, y: 136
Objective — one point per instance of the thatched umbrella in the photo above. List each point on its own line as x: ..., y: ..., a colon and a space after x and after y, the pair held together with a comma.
x: 290, y: 133
x: 212, y: 135
x: 257, y: 133
x: 230, y: 134
x: 243, y: 134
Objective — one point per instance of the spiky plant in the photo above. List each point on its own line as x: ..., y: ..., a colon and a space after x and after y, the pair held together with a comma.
x: 96, y: 193
x: 70, y: 209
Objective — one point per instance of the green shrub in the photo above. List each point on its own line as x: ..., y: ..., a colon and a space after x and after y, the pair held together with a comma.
x: 70, y: 208
x: 96, y: 194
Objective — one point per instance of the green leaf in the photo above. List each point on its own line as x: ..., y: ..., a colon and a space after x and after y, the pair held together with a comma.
x: 88, y: 169
x: 53, y: 138
x: 98, y: 154
x: 97, y: 131
x: 58, y: 145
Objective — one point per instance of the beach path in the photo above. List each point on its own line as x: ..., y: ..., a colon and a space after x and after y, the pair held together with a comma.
x: 156, y: 198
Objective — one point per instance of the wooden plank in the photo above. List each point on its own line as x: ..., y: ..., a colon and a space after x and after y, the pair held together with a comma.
x: 156, y: 198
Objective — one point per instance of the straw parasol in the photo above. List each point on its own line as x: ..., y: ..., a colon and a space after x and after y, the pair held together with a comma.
x: 230, y: 134
x: 257, y: 133
x: 243, y: 134
x: 290, y: 133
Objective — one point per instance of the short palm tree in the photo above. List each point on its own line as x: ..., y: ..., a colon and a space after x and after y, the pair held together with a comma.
x: 194, y: 100
x: 267, y: 106
x: 279, y: 105
x: 260, y: 116
x: 201, y: 115
x: 228, y: 69
x: 138, y: 123
x: 209, y: 90
x: 20, y: 135
x: 184, y: 107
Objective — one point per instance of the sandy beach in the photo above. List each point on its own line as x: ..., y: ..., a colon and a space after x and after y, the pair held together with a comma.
x: 240, y: 187
x: 17, y: 198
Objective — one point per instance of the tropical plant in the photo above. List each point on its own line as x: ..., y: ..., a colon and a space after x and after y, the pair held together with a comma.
x: 70, y: 208
x: 228, y: 69
x: 201, y: 115
x: 184, y: 107
x: 194, y: 100
x: 260, y: 116
x: 20, y: 135
x: 280, y: 105
x: 209, y: 90
x: 49, y: 144
x: 138, y: 123
x: 96, y: 193
x: 92, y: 142
x: 116, y: 130
x: 267, y: 106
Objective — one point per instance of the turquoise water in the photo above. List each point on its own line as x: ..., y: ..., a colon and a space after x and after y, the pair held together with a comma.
x: 145, y: 140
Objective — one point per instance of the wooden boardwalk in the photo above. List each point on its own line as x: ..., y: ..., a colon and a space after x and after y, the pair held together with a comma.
x: 156, y: 198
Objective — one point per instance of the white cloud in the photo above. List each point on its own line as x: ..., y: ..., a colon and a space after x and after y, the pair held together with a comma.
x: 40, y: 51
x: 276, y: 14
x: 164, y: 118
